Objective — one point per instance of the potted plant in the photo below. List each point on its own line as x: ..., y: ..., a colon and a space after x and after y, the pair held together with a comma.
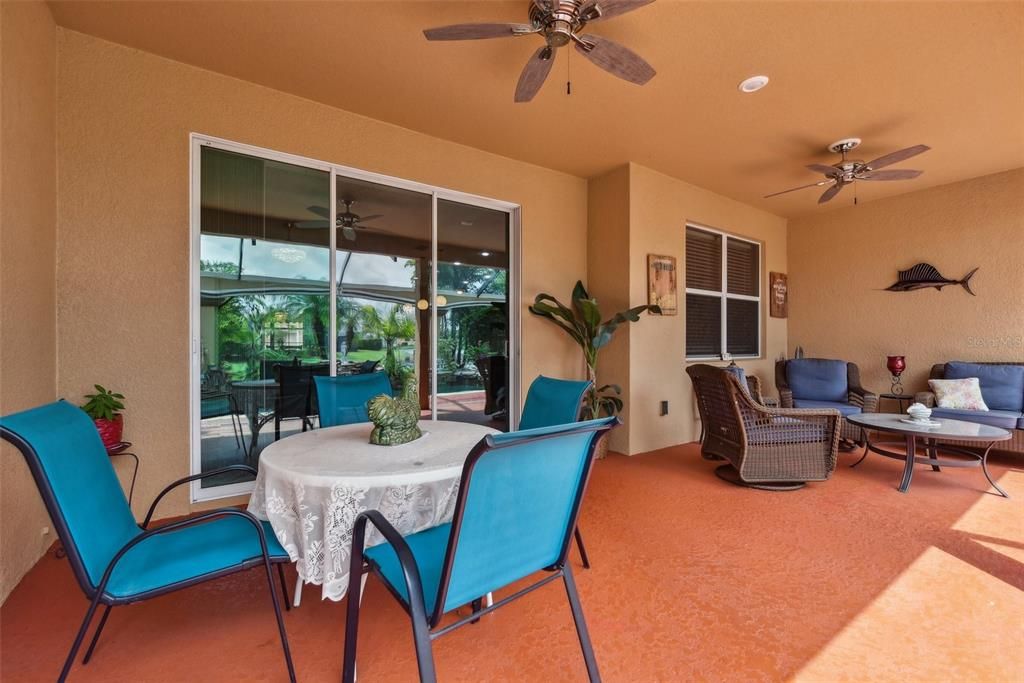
x: 583, y: 323
x: 103, y: 407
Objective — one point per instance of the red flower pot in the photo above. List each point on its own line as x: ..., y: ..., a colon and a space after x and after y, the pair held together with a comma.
x: 110, y: 431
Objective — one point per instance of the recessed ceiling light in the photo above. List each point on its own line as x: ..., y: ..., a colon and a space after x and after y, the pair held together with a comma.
x: 467, y: 224
x: 456, y: 263
x: 485, y: 253
x: 753, y: 84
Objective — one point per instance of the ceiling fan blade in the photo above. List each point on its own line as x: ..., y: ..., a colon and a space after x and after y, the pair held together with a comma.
x: 830, y: 193
x: 372, y: 217
x: 319, y: 211
x: 307, y: 225
x: 895, y: 174
x: 616, y: 59
x: 802, y: 187
x: 606, y: 9
x: 476, y: 31
x: 348, y: 232
x: 822, y: 168
x: 534, y: 74
x: 896, y: 157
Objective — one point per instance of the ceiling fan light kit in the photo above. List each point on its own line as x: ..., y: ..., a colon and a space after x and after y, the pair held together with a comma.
x: 560, y: 23
x: 849, y: 171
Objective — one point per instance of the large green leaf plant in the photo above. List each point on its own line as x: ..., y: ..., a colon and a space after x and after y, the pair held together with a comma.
x: 582, y: 321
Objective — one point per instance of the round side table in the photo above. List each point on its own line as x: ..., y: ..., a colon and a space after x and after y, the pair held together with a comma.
x: 899, y: 398
x: 122, y: 449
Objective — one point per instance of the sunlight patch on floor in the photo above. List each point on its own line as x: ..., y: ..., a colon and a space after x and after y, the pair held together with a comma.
x: 998, y: 523
x: 908, y: 627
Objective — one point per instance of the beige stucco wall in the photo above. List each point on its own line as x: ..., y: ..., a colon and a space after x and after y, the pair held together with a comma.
x: 124, y: 118
x: 841, y: 262
x: 635, y: 211
x: 608, y: 269
x: 660, y: 206
x: 27, y: 233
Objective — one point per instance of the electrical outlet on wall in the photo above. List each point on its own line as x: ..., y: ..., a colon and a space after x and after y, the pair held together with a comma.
x: 664, y: 408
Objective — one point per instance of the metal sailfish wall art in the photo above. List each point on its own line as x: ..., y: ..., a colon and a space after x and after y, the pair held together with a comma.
x: 925, y: 275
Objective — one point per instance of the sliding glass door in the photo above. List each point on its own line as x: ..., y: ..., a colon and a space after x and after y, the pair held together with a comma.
x: 473, y: 315
x: 302, y: 269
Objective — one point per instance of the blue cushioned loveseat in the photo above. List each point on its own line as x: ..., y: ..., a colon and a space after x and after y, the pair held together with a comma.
x: 815, y: 383
x: 1002, y: 387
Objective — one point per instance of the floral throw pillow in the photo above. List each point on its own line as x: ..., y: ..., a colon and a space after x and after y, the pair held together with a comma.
x: 959, y: 394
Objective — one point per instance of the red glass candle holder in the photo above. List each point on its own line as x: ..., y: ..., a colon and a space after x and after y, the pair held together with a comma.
x: 896, y: 365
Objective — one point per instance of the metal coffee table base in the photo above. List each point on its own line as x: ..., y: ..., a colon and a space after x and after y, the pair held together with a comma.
x: 931, y: 447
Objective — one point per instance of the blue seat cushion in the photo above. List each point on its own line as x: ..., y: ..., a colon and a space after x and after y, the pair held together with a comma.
x: 1002, y: 386
x: 817, y: 379
x: 428, y: 548
x: 842, y: 406
x: 1020, y: 423
x: 1007, y: 419
x: 188, y: 553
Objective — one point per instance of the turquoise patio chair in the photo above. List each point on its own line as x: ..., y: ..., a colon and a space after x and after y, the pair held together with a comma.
x: 342, y: 399
x: 551, y: 401
x: 514, y: 516
x: 115, y: 560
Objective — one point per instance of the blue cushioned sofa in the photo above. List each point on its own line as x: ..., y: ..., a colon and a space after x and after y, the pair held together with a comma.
x: 814, y: 383
x: 1002, y: 387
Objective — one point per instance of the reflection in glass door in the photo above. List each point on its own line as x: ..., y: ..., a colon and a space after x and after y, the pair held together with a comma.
x: 473, y: 314
x: 382, y: 270
x: 412, y: 282
x: 264, y: 305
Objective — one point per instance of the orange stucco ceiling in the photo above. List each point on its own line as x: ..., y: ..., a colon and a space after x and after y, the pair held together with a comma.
x: 946, y: 74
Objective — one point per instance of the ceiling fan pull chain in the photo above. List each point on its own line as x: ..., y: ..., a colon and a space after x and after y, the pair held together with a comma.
x: 568, y: 72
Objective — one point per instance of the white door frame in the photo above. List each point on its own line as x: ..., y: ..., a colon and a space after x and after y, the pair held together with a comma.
x: 197, y: 141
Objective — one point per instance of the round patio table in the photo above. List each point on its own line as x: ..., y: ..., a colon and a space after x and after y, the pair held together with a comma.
x: 985, y: 436
x: 311, y: 486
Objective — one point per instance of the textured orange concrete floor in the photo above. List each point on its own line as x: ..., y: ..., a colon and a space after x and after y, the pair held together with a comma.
x: 693, y: 579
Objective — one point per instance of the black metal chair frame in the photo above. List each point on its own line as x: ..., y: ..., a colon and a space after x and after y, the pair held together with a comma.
x: 308, y: 410
x: 422, y: 624
x: 97, y: 595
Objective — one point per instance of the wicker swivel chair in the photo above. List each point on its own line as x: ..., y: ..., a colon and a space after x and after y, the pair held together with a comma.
x: 767, y: 448
x: 824, y: 383
x: 752, y: 384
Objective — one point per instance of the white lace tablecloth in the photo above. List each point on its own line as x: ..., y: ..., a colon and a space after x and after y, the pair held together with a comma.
x: 311, y: 487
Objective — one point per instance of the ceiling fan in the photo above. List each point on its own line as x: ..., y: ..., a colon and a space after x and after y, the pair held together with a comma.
x: 847, y: 171
x: 345, y: 220
x: 560, y: 22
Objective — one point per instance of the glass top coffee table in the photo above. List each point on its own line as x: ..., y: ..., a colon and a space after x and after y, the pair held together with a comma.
x: 985, y: 436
